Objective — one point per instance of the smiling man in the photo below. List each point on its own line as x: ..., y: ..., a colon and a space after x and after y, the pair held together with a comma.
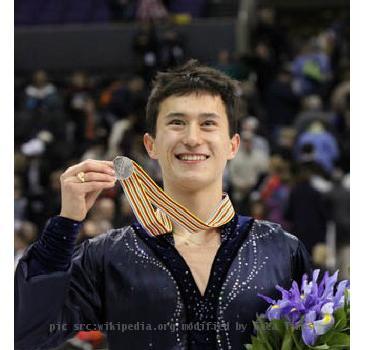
x: 191, y: 287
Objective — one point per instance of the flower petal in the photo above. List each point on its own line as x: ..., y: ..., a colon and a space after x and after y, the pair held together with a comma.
x: 308, y: 334
x: 322, y: 326
x: 268, y: 299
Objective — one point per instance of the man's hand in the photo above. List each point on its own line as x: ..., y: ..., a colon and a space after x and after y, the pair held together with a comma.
x: 77, y: 196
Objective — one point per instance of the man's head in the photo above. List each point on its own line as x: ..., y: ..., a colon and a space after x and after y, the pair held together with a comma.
x: 191, y: 116
x: 193, y: 78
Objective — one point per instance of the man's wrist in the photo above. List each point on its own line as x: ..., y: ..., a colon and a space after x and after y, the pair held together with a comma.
x: 67, y: 219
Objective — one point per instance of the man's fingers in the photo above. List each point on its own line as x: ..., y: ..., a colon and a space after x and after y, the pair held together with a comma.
x: 96, y: 186
x: 90, y: 166
x: 73, y: 184
x: 91, y: 176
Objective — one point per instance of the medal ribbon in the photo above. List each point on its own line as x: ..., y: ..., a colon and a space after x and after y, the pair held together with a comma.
x: 155, y: 210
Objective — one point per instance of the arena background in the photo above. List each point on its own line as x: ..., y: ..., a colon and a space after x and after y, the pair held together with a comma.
x: 83, y: 72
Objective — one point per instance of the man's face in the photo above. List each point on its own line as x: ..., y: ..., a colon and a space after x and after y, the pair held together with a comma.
x: 192, y: 142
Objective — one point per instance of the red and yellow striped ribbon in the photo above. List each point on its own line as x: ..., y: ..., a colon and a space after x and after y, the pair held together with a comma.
x: 155, y: 210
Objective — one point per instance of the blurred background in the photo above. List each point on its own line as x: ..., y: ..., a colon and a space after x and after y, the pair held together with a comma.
x: 82, y: 77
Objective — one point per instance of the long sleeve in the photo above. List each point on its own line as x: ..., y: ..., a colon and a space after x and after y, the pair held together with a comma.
x: 301, y: 263
x: 51, y: 305
x: 53, y: 251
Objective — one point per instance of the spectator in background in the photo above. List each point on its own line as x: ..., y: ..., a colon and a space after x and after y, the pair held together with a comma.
x: 172, y: 52
x: 269, y: 31
x: 324, y: 144
x: 311, y: 110
x: 339, y: 199
x: 40, y: 92
x: 257, y: 208
x: 146, y: 48
x: 251, y: 125
x: 264, y: 66
x: 226, y: 64
x: 76, y: 94
x: 307, y: 209
x: 89, y: 126
x: 245, y: 170
x: 274, y: 190
x: 119, y: 130
x: 283, y: 144
x: 42, y: 110
x: 282, y: 104
x: 78, y: 89
x: 123, y: 97
x: 312, y: 70
x: 340, y: 103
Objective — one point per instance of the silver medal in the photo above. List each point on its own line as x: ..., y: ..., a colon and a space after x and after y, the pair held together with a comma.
x: 123, y: 167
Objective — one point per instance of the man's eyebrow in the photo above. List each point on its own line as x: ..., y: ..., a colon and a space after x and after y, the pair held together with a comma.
x: 181, y: 114
x: 174, y: 115
x: 209, y: 115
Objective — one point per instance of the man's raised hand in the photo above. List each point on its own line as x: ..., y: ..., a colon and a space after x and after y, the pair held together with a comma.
x: 81, y: 184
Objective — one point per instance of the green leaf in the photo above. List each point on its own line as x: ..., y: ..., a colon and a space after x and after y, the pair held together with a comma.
x: 340, y: 319
x: 298, y: 340
x: 257, y: 344
x: 263, y: 332
x: 320, y: 347
x: 279, y: 326
x: 287, y: 342
x: 340, y: 340
x: 323, y: 339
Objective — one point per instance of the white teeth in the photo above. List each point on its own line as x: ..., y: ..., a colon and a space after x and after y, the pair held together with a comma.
x: 193, y: 157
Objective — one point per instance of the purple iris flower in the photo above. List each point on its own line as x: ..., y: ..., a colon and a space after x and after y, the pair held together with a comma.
x: 311, y: 306
x: 312, y: 328
x: 308, y: 333
x: 339, y: 297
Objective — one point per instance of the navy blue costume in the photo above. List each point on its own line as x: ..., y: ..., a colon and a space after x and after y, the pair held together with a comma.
x: 140, y: 291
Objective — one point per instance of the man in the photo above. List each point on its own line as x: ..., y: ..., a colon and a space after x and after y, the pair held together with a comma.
x: 178, y: 290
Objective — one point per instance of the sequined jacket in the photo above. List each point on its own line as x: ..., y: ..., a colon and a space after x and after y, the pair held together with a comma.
x: 119, y: 284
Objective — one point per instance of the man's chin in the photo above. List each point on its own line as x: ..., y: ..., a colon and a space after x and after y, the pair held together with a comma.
x: 192, y: 181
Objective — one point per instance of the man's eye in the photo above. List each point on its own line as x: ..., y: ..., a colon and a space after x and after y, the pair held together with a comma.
x: 176, y: 122
x: 209, y: 123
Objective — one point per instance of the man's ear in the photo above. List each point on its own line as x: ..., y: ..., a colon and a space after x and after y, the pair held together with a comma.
x: 149, y: 144
x: 234, y: 146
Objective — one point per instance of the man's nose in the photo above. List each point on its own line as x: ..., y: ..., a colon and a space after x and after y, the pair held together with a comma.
x: 192, y: 136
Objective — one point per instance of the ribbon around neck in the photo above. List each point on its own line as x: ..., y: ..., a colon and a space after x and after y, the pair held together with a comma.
x: 155, y: 210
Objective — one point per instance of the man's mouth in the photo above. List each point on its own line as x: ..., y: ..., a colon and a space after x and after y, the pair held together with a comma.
x: 189, y: 157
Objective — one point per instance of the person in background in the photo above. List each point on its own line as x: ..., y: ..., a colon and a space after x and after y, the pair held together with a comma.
x: 274, y: 190
x: 325, y: 146
x: 40, y: 92
x: 307, y: 207
x: 246, y: 169
x: 251, y: 124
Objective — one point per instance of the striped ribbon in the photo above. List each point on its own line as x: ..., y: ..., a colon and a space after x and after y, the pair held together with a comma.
x: 155, y: 210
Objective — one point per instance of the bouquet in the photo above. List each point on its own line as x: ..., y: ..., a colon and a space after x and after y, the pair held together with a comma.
x: 316, y: 316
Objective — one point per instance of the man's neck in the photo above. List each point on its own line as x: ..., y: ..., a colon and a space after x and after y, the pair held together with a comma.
x: 200, y: 203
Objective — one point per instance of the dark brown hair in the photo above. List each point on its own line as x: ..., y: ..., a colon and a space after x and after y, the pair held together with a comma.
x: 193, y: 77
